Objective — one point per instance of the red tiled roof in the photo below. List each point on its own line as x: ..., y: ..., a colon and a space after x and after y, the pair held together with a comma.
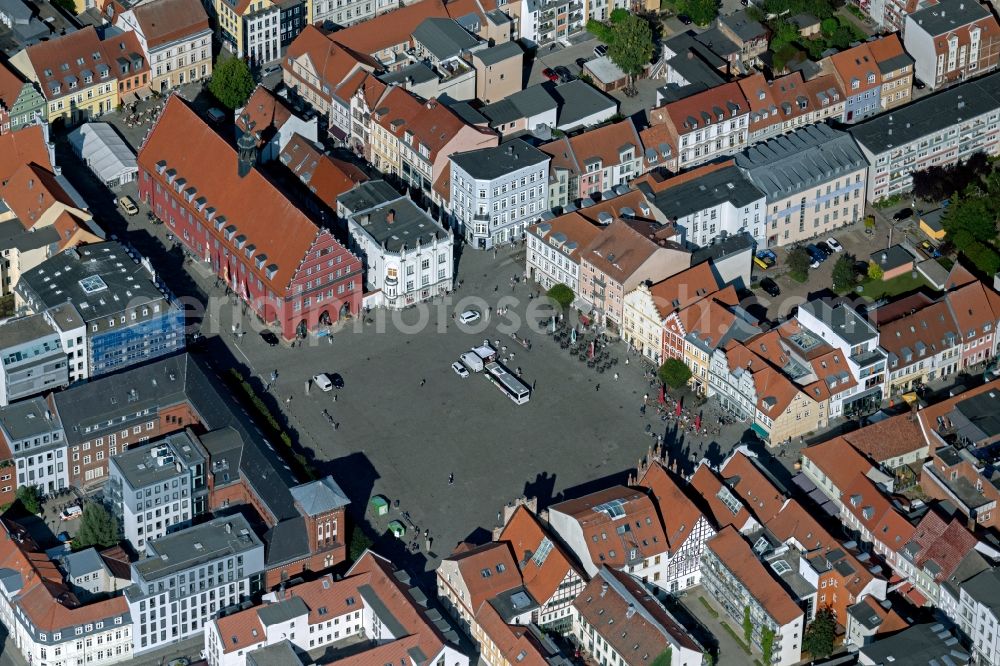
x: 838, y: 460
x: 68, y: 55
x: 487, y: 571
x: 325, y: 176
x: 525, y: 534
x: 605, y: 544
x: 637, y: 627
x: 750, y: 484
x: 47, y: 602
x: 703, y: 108
x: 512, y: 642
x: 857, y: 64
x: 26, y: 146
x: 945, y: 544
x: 31, y: 191
x: 735, y: 553
x: 263, y: 114
x: 10, y: 86
x: 165, y: 21
x: 333, y: 62
x: 708, y: 485
x: 604, y: 143
x: 620, y: 250
x: 874, y: 510
x: 685, y: 288
x: 889, y: 438
x: 678, y: 513
x: 183, y: 141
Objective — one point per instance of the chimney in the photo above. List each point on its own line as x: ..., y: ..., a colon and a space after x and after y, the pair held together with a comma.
x: 229, y: 528
x: 391, y: 216
x: 885, y: 257
x: 604, y: 589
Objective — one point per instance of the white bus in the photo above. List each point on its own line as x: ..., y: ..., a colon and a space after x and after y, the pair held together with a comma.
x: 515, y: 389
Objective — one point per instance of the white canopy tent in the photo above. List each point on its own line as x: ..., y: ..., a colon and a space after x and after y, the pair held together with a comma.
x: 105, y: 152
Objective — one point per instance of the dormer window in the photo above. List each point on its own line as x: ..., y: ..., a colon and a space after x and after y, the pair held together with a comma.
x: 250, y: 249
x: 272, y: 270
x: 259, y: 261
x: 161, y: 166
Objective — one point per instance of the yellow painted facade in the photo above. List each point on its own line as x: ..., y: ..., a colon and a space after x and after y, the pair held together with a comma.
x: 641, y: 324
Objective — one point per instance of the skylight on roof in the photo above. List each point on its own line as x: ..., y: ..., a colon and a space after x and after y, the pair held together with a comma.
x: 781, y: 567
x: 544, y: 548
x: 615, y: 509
x: 93, y: 284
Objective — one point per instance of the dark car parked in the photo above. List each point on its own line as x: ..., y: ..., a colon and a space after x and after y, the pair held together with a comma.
x: 904, y: 214
x: 270, y: 338
x: 770, y: 287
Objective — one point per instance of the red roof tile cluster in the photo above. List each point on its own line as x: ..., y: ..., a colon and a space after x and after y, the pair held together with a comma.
x: 165, y: 21
x: 325, y: 176
x: 515, y: 643
x: 752, y: 486
x: 684, y: 289
x: 47, y: 602
x: 775, y: 391
x: 10, y: 86
x: 263, y: 115
x: 633, y: 623
x: 327, y: 598
x: 528, y: 540
x: 838, y: 460
x: 874, y: 510
x: 711, y: 489
x: 26, y: 146
x: 605, y: 143
x: 336, y: 66
x: 182, y: 142
x: 788, y: 97
x: 601, y: 514
x: 678, y: 513
x: 736, y: 555
x: 939, y: 546
x: 700, y: 110
x: 488, y: 570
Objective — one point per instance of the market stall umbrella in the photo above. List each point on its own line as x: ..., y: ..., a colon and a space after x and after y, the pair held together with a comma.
x: 697, y: 422
x: 678, y: 410
x: 663, y: 394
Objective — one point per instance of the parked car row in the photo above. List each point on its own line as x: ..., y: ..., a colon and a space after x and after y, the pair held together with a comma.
x: 820, y: 250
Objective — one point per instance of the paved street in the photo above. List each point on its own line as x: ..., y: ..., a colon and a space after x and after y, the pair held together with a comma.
x: 730, y: 652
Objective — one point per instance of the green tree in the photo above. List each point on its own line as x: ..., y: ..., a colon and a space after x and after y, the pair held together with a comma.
x: 231, y: 83
x: 971, y: 212
x: 767, y: 644
x: 983, y: 257
x: 829, y: 26
x: 798, y: 264
x: 674, y: 373
x: 820, y: 634
x: 97, y: 528
x: 631, y: 46
x: 701, y: 12
x: 619, y: 15
x: 359, y: 542
x: 599, y: 29
x: 31, y: 498
x: 562, y: 295
x: 664, y: 659
x: 875, y: 271
x: 843, y: 273
x: 747, y: 625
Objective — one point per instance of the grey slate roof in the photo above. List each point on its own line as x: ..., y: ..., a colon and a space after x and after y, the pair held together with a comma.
x: 499, y: 53
x: 743, y: 26
x: 929, y: 114
x: 443, y: 37
x: 14, y: 235
x: 843, y: 320
x: 65, y: 317
x: 141, y: 469
x: 99, y: 279
x: 465, y: 111
x: 171, y: 381
x: 895, y: 257
x: 283, y: 611
x: 278, y: 654
x: 985, y: 588
x: 410, y: 224
x: 82, y: 562
x: 719, y: 43
x: 366, y: 195
x: 723, y: 247
x: 418, y: 72
x: 578, y: 99
x: 711, y: 189
x: 24, y: 329
x: 864, y: 615
x: 922, y: 644
x: 27, y: 418
x: 179, y: 551
x: 895, y: 62
x: 531, y: 101
x: 320, y: 496
x: 800, y: 160
x: 490, y: 163
x: 946, y: 16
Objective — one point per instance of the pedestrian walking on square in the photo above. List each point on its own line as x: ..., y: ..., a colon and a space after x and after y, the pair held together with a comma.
x: 451, y: 479
x: 597, y: 388
x: 423, y: 381
x: 616, y: 376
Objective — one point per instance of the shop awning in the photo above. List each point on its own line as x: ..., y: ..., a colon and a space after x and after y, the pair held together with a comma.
x: 760, y: 432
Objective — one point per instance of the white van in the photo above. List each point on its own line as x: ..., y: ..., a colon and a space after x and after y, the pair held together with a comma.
x: 323, y: 382
x: 472, y: 361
